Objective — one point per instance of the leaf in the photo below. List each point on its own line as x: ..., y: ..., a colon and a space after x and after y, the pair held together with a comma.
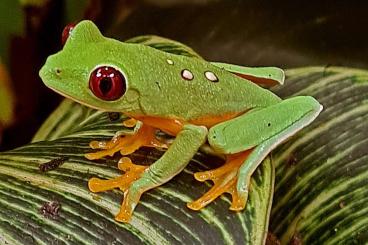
x: 165, y: 44
x: 320, y: 193
x: 160, y: 218
x: 63, y: 140
x: 321, y: 187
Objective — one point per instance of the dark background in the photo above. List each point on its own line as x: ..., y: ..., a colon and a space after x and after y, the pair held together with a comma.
x: 252, y: 33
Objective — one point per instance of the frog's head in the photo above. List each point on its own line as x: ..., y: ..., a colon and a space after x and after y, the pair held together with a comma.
x: 89, y: 70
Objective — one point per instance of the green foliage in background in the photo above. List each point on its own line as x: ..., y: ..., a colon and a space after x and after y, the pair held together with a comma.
x: 11, y: 24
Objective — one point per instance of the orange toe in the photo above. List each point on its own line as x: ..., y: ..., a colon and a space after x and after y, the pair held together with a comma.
x: 225, y: 180
x: 127, y: 144
x: 132, y: 173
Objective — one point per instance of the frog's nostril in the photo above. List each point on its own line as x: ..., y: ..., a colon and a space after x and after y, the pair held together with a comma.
x: 58, y: 71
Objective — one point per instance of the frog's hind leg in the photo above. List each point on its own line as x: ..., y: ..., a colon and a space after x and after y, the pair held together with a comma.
x: 250, y: 138
x: 126, y: 144
x: 225, y: 179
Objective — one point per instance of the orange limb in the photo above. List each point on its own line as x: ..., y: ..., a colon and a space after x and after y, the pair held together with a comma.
x: 130, y: 123
x: 130, y: 182
x: 132, y: 173
x: 167, y: 125
x: 225, y: 180
x: 125, y: 144
x: 174, y: 126
x: 210, y: 121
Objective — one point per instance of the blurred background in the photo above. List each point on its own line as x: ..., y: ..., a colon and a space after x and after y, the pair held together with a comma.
x: 248, y: 32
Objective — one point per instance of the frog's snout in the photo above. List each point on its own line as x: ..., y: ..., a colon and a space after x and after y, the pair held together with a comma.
x: 51, y: 69
x: 46, y: 73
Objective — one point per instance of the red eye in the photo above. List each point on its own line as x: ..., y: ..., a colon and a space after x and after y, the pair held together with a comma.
x: 66, y: 32
x: 107, y: 83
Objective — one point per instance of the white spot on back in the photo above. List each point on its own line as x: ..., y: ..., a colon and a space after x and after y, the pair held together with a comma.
x: 211, y: 76
x: 170, y: 62
x: 187, y: 75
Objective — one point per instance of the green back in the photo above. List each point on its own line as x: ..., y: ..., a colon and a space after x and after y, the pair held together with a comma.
x: 155, y: 84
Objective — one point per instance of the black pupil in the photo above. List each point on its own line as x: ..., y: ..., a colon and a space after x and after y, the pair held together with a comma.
x: 105, y: 85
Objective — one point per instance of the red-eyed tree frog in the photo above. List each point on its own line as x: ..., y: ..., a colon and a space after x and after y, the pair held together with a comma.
x: 187, y: 97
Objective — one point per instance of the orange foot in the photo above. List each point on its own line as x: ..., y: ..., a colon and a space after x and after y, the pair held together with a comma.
x: 225, y: 180
x: 125, y: 144
x: 132, y: 173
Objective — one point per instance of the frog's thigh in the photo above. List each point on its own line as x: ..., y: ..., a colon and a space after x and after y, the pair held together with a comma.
x: 263, y: 130
x: 259, y: 125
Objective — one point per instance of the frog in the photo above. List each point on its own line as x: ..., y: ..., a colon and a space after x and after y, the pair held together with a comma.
x: 227, y: 107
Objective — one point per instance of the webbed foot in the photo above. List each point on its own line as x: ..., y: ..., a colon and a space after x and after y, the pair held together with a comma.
x: 225, y: 180
x: 125, y: 183
x: 139, y: 179
x: 126, y: 144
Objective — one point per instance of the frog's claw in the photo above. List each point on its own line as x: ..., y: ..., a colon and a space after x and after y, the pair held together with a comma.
x: 225, y: 180
x: 127, y: 144
x: 125, y: 183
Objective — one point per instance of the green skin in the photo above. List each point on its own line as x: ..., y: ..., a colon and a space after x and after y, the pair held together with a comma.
x: 156, y: 88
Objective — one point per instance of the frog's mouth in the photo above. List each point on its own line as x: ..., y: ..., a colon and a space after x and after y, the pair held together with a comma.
x: 54, y: 81
x: 75, y: 99
x: 79, y: 91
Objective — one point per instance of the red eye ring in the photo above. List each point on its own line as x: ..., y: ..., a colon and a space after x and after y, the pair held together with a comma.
x: 66, y: 32
x: 107, y: 83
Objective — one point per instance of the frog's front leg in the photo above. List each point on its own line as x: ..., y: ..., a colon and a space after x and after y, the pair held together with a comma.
x: 126, y: 144
x: 139, y: 179
x: 247, y: 140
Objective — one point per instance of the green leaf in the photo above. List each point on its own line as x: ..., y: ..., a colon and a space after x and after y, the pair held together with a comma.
x: 160, y: 218
x: 320, y: 194
x: 165, y: 44
x: 11, y: 24
x: 321, y: 190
